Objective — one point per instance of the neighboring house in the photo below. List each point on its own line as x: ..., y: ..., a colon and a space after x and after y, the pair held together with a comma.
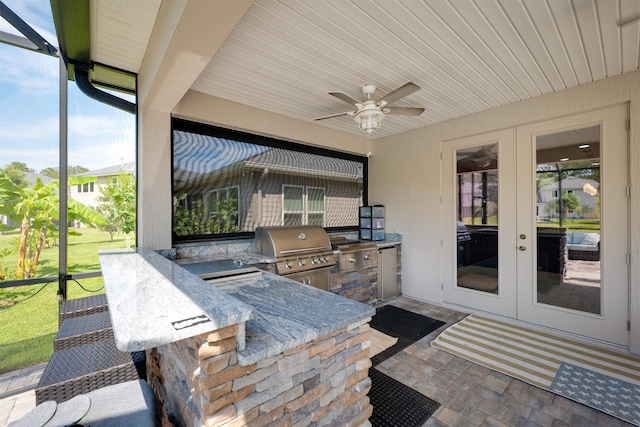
x: 88, y: 193
x: 267, y: 193
x: 32, y: 176
x: 571, y: 185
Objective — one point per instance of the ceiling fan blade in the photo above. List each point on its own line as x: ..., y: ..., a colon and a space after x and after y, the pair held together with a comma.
x: 348, y: 113
x: 401, y: 92
x: 404, y: 111
x: 345, y: 97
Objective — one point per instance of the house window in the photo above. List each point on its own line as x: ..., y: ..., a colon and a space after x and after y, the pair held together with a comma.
x: 302, y: 205
x: 554, y: 194
x: 282, y: 183
x: 87, y: 187
x: 569, y: 191
x: 315, y: 206
x: 292, y: 207
x: 223, y: 209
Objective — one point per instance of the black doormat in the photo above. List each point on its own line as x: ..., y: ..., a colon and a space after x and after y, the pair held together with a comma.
x: 395, y: 404
x: 405, y: 325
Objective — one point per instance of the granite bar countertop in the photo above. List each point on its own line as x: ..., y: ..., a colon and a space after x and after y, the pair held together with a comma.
x: 153, y: 301
x: 147, y: 293
x: 288, y: 313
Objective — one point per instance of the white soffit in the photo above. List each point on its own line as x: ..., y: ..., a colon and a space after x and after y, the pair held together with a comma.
x: 468, y: 56
x: 120, y: 31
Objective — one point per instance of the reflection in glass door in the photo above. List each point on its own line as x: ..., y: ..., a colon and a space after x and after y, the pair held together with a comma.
x: 477, y: 218
x: 568, y: 219
x: 479, y: 222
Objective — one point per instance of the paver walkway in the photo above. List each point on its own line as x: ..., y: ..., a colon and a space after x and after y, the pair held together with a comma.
x: 469, y: 395
x: 17, y: 395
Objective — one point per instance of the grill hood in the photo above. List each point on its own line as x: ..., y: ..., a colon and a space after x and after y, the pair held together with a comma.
x: 281, y: 242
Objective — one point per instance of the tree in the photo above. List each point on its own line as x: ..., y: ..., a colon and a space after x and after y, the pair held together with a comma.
x: 117, y: 204
x: 195, y: 219
x: 36, y: 210
x: 51, y: 172
x: 54, y: 172
x: 569, y: 201
x: 188, y: 221
x: 17, y: 173
x: 74, y: 170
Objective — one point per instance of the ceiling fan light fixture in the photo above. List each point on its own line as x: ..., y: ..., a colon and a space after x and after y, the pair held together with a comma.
x: 369, y: 121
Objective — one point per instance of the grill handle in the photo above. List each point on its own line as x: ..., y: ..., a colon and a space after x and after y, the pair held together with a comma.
x: 294, y: 251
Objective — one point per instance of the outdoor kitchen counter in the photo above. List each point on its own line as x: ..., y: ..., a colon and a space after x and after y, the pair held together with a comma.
x: 153, y: 301
x: 245, y: 257
x: 288, y: 314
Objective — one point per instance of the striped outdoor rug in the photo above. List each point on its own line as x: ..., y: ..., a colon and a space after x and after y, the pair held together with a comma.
x: 598, y: 377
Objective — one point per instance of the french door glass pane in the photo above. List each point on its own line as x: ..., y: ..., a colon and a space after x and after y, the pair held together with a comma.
x: 477, y: 218
x: 568, y: 219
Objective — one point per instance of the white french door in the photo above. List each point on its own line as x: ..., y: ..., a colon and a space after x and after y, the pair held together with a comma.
x: 536, y: 223
x: 587, y: 293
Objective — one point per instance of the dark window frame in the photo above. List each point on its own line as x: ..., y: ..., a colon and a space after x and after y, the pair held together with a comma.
x: 178, y: 124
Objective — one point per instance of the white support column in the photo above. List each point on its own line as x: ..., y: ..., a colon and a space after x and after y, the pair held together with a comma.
x: 154, y: 179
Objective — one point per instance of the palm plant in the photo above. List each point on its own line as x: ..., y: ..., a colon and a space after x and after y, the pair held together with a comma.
x: 36, y: 209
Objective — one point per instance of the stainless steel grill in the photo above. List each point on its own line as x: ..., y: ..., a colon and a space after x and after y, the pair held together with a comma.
x: 303, y: 253
x: 355, y: 255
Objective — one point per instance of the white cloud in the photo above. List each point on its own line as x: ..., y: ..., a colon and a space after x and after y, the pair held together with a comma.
x: 37, y: 129
x: 35, y: 159
x: 28, y: 72
x: 100, y: 141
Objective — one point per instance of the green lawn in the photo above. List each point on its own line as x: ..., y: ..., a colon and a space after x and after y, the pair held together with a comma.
x: 28, y: 327
x: 585, y: 225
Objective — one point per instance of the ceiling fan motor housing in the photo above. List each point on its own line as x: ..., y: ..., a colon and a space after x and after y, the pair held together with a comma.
x: 368, y: 90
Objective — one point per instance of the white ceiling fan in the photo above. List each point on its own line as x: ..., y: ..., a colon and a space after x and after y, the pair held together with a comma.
x: 369, y: 113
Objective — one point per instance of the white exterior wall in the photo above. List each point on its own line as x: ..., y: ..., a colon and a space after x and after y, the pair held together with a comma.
x: 402, y: 177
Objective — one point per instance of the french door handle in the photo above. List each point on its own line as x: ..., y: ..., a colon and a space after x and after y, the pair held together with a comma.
x: 522, y: 248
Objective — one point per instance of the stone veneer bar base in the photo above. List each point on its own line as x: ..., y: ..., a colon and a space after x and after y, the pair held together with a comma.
x: 323, y: 382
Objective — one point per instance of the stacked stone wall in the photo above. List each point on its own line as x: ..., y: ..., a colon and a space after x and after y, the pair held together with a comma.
x: 360, y: 285
x: 324, y: 382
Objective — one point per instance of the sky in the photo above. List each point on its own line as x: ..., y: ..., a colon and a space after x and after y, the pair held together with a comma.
x: 99, y: 135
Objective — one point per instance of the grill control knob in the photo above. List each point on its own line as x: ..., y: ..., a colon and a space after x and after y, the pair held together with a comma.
x: 315, y: 261
x: 367, y: 257
x: 288, y: 265
x: 325, y: 259
x: 301, y: 263
x: 352, y: 260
